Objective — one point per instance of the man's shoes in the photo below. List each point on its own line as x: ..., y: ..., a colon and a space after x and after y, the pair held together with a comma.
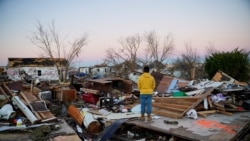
x: 142, y: 117
x: 149, y: 117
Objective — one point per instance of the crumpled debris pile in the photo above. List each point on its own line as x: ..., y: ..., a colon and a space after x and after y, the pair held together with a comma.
x: 91, y: 113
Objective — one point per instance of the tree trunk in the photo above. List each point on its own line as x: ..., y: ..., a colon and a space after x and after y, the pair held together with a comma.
x: 192, y: 73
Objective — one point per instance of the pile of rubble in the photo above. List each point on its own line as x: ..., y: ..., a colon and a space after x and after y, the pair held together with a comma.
x: 205, y: 97
x: 95, y: 109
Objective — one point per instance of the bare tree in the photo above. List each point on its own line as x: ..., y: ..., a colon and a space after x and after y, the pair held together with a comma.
x: 125, y: 55
x: 52, y: 46
x: 211, y: 48
x: 190, y: 59
x: 158, y: 53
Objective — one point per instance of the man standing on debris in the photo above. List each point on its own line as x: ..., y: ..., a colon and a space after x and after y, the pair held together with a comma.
x: 146, y: 85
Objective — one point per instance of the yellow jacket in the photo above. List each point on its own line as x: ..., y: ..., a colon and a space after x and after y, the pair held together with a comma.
x: 146, y: 83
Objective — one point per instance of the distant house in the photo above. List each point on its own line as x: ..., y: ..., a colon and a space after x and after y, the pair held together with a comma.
x: 85, y: 70
x: 99, y: 71
x: 41, y: 68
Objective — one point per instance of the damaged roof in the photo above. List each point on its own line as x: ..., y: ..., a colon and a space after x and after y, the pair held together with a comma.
x: 35, y: 62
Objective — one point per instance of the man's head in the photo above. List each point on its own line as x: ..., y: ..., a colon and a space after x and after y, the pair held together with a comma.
x: 146, y: 69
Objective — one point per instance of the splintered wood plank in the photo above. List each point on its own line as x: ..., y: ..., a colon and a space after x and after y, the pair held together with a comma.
x: 225, y: 113
x: 177, y: 107
x: 167, y: 113
x: 174, y: 99
x: 30, y: 96
x: 207, y: 112
x: 187, y: 103
x: 47, y: 116
x: 169, y: 108
x: 8, y: 89
x: 174, y: 105
x: 180, y: 101
x: 92, y: 91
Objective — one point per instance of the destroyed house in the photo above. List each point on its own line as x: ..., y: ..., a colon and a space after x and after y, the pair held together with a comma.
x: 41, y: 68
x: 85, y: 70
x: 100, y: 70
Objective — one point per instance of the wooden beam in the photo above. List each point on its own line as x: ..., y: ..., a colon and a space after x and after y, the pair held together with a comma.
x: 225, y: 113
x: 90, y: 91
x: 181, y: 106
x: 7, y: 88
x: 207, y: 112
x: 202, y: 115
x: 210, y: 102
x: 167, y: 108
x: 167, y: 113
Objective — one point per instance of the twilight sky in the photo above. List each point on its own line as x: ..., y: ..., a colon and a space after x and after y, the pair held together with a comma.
x: 225, y: 23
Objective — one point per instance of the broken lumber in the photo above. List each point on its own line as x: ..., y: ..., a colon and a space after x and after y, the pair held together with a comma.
x: 177, y: 107
x: 90, y: 91
x: 225, y: 113
x: 204, y: 113
x: 207, y: 112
